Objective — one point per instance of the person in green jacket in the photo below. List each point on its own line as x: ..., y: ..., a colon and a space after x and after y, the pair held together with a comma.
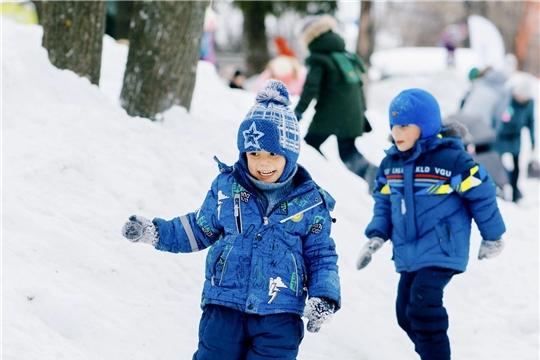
x: 333, y: 79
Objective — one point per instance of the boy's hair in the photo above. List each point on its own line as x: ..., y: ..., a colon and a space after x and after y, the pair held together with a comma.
x: 418, y: 107
x: 271, y: 126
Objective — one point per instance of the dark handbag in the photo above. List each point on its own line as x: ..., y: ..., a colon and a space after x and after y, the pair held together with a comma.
x: 533, y: 169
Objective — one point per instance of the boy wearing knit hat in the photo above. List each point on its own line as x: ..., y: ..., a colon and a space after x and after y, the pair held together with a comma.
x: 428, y: 190
x: 267, y: 226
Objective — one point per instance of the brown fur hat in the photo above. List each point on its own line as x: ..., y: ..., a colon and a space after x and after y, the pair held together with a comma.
x: 316, y: 26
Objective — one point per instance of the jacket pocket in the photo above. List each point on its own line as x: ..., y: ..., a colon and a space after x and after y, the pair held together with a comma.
x: 445, y: 238
x: 299, y: 276
x: 220, y: 266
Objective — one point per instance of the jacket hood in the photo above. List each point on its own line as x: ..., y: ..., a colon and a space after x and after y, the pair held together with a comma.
x: 454, y: 129
x: 316, y: 27
x: 327, y: 43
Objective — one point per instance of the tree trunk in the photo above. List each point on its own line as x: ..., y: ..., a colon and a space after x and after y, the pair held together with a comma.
x: 39, y: 6
x: 73, y: 35
x: 256, y: 45
x: 366, y: 32
x: 162, y: 61
x: 124, y: 13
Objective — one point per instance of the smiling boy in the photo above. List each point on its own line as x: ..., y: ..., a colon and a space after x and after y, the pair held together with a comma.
x: 267, y: 226
x: 427, y: 192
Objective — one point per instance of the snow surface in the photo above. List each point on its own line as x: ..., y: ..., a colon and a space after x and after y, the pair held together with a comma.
x: 75, y: 166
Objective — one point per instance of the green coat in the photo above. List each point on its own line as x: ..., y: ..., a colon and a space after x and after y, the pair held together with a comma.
x: 340, y: 105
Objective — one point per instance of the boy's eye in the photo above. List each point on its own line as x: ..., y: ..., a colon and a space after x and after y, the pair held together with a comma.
x: 253, y: 154
x: 273, y: 154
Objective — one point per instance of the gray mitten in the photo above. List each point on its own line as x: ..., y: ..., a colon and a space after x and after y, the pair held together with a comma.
x: 140, y: 229
x: 364, y: 257
x: 318, y: 311
x: 490, y: 248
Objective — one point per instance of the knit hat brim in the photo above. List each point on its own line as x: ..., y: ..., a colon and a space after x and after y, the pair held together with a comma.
x: 270, y: 125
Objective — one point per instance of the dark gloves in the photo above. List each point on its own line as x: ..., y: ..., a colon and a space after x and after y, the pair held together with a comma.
x: 140, y: 229
x: 490, y: 248
x: 364, y: 257
x: 318, y: 311
x: 298, y: 115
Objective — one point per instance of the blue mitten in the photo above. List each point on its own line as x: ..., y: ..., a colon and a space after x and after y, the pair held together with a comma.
x: 490, y: 248
x: 140, y: 229
x: 318, y: 311
x: 364, y: 257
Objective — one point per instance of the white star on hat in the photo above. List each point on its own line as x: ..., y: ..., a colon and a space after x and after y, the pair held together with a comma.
x: 251, y: 136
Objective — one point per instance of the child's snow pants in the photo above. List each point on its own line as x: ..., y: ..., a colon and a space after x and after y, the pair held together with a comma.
x: 420, y: 311
x: 226, y: 333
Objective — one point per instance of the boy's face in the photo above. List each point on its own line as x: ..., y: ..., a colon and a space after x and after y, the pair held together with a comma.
x: 265, y: 166
x: 405, y: 136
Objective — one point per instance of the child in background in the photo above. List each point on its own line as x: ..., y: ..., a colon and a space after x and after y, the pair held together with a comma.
x: 428, y: 190
x: 334, y: 81
x: 267, y: 226
x: 520, y: 114
x: 237, y: 81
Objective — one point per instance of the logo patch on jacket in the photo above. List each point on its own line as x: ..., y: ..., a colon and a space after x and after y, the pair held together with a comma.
x: 220, y: 196
x: 273, y: 288
x: 283, y: 209
x: 244, y: 196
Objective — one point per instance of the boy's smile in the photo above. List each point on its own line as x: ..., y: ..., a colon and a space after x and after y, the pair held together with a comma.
x: 405, y: 136
x: 265, y: 166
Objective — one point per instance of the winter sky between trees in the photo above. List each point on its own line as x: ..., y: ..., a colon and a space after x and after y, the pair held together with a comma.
x: 75, y: 166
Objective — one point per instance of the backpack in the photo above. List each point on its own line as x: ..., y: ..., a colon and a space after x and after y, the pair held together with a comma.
x: 350, y: 66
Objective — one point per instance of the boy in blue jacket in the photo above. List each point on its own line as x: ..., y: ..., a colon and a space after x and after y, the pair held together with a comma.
x: 267, y: 226
x: 428, y: 190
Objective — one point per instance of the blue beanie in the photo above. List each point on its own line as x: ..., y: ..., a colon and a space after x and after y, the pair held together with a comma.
x: 271, y: 126
x: 418, y: 107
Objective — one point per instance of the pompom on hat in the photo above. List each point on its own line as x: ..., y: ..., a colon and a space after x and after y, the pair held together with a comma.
x: 418, y: 107
x: 270, y: 125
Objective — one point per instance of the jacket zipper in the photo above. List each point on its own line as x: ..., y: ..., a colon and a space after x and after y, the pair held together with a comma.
x: 237, y: 213
x: 301, y: 212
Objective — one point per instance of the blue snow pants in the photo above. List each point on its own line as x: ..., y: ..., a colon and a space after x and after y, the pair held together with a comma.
x: 229, y: 334
x: 420, y: 311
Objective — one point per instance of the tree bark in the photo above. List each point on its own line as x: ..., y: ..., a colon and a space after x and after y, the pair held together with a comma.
x: 162, y: 61
x: 256, y: 44
x: 366, y: 32
x: 73, y: 35
x: 123, y: 19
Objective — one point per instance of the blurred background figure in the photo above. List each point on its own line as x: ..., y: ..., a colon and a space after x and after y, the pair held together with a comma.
x: 450, y: 38
x: 208, y: 51
x: 285, y: 67
x: 482, y: 110
x: 237, y: 80
x: 334, y: 80
x: 520, y: 114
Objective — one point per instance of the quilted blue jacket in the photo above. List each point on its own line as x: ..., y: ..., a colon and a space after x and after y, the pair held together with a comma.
x: 260, y: 263
x: 425, y: 200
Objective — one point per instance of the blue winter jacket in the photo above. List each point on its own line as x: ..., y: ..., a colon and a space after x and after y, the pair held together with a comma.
x: 509, y: 133
x: 425, y: 199
x: 260, y: 263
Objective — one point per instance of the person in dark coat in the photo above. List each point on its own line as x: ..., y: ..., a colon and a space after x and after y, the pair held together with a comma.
x: 520, y: 114
x: 428, y: 191
x: 267, y: 227
x: 334, y: 80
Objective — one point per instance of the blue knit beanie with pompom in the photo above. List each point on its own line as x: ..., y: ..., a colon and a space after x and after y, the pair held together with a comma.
x: 270, y: 125
x: 418, y: 107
